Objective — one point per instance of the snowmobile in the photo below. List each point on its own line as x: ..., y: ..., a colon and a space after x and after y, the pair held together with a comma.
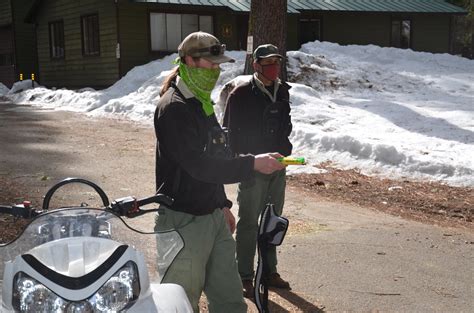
x: 81, y: 259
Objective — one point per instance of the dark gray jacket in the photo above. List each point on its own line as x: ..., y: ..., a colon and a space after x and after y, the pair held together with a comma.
x: 256, y: 124
x: 186, y: 164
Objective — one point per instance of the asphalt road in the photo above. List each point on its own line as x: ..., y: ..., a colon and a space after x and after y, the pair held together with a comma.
x: 338, y: 257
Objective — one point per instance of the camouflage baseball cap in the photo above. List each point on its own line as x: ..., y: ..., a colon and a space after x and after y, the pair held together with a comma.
x: 266, y: 51
x: 203, y: 45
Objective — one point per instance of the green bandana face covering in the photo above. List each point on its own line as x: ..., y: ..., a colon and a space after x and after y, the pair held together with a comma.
x: 200, y: 81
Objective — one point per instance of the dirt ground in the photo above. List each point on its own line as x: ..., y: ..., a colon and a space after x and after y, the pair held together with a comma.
x: 429, y: 202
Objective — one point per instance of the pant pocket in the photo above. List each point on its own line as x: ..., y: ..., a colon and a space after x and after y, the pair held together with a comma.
x: 172, y: 220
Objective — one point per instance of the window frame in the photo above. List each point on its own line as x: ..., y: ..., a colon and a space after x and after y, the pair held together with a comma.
x: 90, y: 53
x: 318, y: 19
x: 61, y: 38
x: 181, y: 13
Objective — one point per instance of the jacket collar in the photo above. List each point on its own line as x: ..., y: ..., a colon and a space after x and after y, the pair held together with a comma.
x: 259, y: 84
x: 183, y: 88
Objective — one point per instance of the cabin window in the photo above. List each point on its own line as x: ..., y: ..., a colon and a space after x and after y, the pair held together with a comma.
x: 168, y: 30
x: 401, y: 34
x: 56, y: 40
x: 90, y: 35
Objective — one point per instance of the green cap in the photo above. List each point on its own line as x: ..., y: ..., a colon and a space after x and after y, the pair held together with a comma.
x: 266, y: 51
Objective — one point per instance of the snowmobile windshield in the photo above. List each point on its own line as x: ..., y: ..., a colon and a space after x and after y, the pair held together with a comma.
x: 49, y: 238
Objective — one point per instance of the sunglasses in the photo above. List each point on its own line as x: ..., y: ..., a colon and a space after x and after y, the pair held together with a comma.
x: 213, y: 50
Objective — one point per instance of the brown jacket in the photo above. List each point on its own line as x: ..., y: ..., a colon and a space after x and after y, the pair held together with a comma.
x: 256, y: 124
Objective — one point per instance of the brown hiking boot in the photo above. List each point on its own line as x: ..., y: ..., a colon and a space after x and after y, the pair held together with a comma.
x: 274, y: 280
x: 248, y: 288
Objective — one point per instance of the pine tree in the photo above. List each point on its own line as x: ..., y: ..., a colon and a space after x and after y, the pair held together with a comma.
x: 464, y: 28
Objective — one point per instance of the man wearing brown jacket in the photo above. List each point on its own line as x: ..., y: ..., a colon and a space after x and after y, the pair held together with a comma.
x: 258, y: 117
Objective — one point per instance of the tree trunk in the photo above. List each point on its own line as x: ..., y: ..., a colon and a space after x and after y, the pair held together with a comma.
x: 470, y: 17
x: 472, y: 40
x: 268, y: 24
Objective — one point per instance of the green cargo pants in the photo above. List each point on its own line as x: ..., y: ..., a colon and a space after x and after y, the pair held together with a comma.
x: 207, y: 261
x: 253, y: 195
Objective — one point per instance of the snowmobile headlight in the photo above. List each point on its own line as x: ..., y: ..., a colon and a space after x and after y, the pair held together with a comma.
x: 117, y: 294
x: 31, y: 296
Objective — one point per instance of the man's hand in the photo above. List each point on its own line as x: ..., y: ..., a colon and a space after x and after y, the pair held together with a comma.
x: 267, y: 163
x: 230, y: 219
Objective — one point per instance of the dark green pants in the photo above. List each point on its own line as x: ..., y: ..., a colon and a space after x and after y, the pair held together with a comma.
x: 207, y: 261
x: 253, y: 195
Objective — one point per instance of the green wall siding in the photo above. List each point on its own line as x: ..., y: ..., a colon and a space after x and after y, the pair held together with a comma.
x: 7, y: 72
x: 431, y: 33
x: 292, y: 37
x: 5, y: 12
x: 134, y: 43
x: 356, y: 28
x: 18, y: 40
x: 25, y: 42
x: 77, y: 70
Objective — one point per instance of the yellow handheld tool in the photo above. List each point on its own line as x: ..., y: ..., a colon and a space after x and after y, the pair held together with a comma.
x: 292, y: 161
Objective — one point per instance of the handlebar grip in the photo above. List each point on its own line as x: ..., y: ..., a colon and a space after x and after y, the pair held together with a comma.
x: 159, y: 199
x: 6, y: 209
x: 130, y: 207
x: 20, y: 210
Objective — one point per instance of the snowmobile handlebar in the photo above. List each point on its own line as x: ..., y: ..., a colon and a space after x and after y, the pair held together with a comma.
x: 70, y: 180
x: 23, y: 210
x: 127, y: 206
x: 131, y: 207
